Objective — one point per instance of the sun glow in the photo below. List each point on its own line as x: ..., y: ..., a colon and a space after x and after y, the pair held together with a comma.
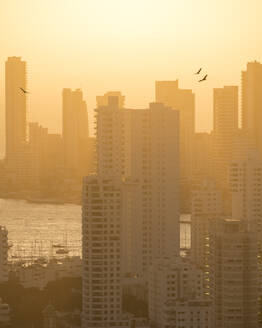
x: 126, y: 45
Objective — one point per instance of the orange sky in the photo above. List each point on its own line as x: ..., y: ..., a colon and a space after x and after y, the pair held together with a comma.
x: 102, y: 45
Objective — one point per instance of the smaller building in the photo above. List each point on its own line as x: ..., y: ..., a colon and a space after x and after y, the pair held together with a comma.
x: 176, y: 295
x: 3, y: 254
x: 50, y: 317
x: 187, y: 314
x: 4, y: 314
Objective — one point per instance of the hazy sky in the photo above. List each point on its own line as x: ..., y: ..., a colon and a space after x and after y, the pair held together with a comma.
x: 102, y: 45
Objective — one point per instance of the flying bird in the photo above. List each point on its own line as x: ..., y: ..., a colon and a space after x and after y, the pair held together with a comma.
x: 24, y: 91
x: 204, y: 79
x: 198, y: 71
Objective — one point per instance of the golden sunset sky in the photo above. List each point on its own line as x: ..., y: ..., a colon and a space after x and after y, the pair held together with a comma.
x: 102, y: 45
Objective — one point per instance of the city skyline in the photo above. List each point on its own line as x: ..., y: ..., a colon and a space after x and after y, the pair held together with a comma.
x: 91, y: 111
x: 131, y: 183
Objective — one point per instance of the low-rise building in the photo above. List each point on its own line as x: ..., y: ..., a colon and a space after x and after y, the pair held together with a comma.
x: 3, y: 254
x: 176, y: 294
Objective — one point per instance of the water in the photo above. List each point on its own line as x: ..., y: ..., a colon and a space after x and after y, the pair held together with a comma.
x: 34, y: 229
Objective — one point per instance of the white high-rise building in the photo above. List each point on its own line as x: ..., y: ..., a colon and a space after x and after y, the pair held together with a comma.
x: 142, y: 147
x: 3, y: 254
x: 101, y: 229
x: 131, y: 208
x: 176, y: 295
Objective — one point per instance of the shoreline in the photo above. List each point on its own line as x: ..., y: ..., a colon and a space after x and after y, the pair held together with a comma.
x: 49, y: 201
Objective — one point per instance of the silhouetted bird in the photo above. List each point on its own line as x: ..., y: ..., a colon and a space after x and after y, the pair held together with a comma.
x: 198, y: 71
x: 24, y: 91
x: 204, y: 79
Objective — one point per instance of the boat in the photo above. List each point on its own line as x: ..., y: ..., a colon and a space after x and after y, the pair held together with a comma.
x: 62, y: 251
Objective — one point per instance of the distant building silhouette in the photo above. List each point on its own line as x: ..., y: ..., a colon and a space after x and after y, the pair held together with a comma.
x: 75, y: 131
x: 105, y: 99
x: 252, y: 103
x: 18, y: 156
x: 225, y: 130
x: 169, y: 93
x: 203, y: 157
x: 15, y: 108
x: 47, y: 157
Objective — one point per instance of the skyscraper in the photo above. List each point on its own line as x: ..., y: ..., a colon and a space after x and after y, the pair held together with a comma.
x: 101, y: 226
x: 155, y: 164
x: 225, y: 130
x: 252, y: 103
x: 15, y: 107
x: 75, y: 130
x: 169, y: 94
x: 131, y: 207
x: 142, y: 148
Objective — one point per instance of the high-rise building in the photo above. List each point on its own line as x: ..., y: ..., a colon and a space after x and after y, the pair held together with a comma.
x: 15, y: 105
x: 3, y: 254
x: 101, y: 229
x: 234, y: 274
x: 142, y: 146
x: 131, y: 207
x: 154, y: 200
x: 225, y: 130
x: 245, y: 176
x: 252, y: 103
x: 203, y: 160
x: 111, y: 130
x: 176, y: 297
x: 75, y: 130
x: 17, y: 153
x: 47, y: 157
x: 206, y: 205
x: 183, y: 100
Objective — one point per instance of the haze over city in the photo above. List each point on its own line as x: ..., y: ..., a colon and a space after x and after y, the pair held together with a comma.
x: 126, y: 45
x: 131, y: 164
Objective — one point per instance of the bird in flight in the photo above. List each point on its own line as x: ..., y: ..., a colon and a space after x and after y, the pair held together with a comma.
x: 204, y: 79
x: 24, y: 91
x: 198, y: 71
